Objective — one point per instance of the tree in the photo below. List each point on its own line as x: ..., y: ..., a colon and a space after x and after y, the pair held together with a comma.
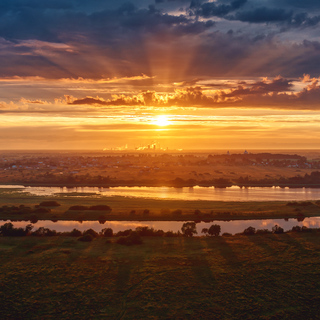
x: 189, y: 229
x: 205, y: 231
x: 249, y: 231
x: 214, y: 230
x: 107, y: 232
x: 277, y: 229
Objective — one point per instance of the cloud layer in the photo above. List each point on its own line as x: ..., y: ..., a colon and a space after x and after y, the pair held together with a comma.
x: 172, y: 40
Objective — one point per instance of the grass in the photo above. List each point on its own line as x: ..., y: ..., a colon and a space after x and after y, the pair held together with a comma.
x: 238, y: 277
x: 157, y: 210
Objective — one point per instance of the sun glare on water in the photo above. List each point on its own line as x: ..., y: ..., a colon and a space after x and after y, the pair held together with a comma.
x: 162, y: 121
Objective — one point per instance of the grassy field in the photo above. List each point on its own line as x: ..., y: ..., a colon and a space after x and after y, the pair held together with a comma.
x: 143, y: 209
x: 238, y: 277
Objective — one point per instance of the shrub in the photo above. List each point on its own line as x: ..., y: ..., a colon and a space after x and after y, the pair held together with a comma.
x: 249, y: 231
x: 226, y: 234
x: 107, y: 232
x: 44, y: 232
x: 263, y: 231
x: 205, y: 231
x: 86, y: 238
x: 7, y: 230
x: 124, y: 233
x: 49, y: 204
x: 132, y: 239
x: 75, y: 233
x: 306, y: 229
x: 170, y: 234
x: 277, y: 229
x: 91, y: 232
x: 214, y: 230
x: 296, y: 229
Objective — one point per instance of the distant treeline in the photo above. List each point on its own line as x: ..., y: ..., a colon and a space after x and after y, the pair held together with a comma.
x: 308, y: 180
x: 188, y: 229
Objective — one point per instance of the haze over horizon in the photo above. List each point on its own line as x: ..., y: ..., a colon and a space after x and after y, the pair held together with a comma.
x: 241, y: 74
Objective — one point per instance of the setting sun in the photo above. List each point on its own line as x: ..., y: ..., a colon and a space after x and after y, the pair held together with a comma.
x: 162, y: 121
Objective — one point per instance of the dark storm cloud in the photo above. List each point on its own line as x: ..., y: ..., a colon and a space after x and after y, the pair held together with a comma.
x: 263, y: 14
x: 118, y: 38
x: 278, y: 84
x: 212, y: 9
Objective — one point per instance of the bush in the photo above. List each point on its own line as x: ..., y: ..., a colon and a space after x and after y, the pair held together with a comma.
x: 226, y: 234
x: 124, y: 233
x: 296, y: 229
x: 50, y: 204
x: 132, y: 239
x: 263, y: 231
x: 306, y: 229
x: 86, y: 238
x: 91, y: 232
x: 44, y: 232
x: 249, y: 231
x: 75, y: 233
x: 107, y: 232
x: 170, y: 234
x: 277, y: 229
x: 7, y: 230
x: 214, y: 230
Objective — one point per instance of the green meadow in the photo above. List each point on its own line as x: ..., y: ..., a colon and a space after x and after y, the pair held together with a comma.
x: 236, y: 277
x: 144, y: 209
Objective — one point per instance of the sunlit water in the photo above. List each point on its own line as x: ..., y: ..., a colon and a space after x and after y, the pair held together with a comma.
x: 196, y: 193
x: 226, y: 226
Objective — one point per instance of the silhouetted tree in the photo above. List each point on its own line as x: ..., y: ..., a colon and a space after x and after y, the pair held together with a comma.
x: 214, y: 230
x: 205, y: 231
x: 107, y: 232
x: 249, y: 231
x: 277, y: 229
x: 189, y: 229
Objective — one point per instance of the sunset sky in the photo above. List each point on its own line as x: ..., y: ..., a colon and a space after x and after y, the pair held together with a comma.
x: 102, y: 74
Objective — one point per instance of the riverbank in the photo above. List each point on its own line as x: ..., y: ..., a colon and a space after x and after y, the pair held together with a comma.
x: 18, y: 206
x: 248, y: 277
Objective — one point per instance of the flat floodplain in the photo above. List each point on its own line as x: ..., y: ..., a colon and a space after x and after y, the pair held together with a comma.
x: 147, y: 209
x: 237, y: 277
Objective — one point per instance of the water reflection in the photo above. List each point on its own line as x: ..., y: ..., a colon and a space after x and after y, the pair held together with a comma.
x: 196, y: 193
x: 232, y: 227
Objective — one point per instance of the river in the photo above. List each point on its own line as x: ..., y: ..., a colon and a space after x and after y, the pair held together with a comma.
x: 232, y: 227
x: 196, y: 193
